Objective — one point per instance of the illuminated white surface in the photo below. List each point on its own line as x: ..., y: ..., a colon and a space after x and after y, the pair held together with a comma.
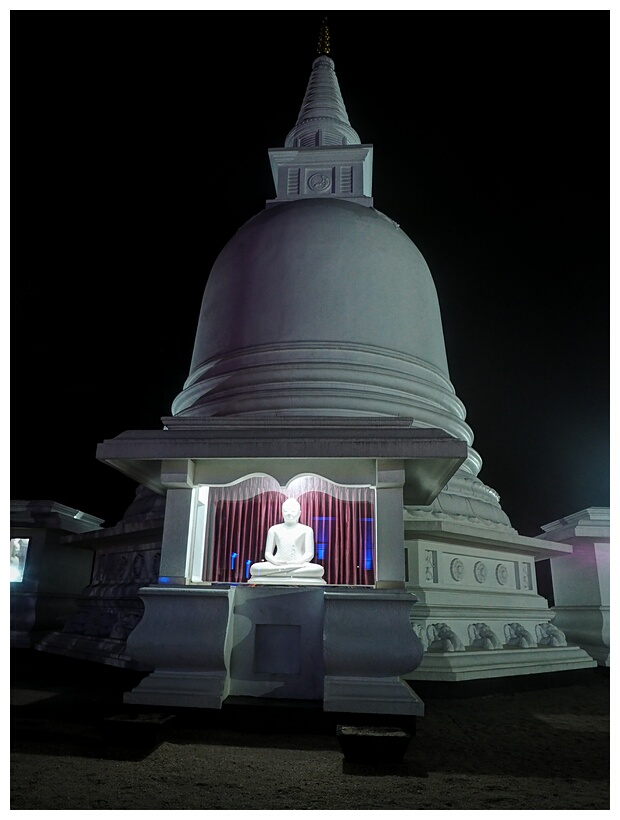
x: 288, y: 552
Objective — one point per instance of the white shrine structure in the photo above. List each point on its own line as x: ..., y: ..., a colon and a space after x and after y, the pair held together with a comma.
x: 581, y: 583
x: 294, y: 393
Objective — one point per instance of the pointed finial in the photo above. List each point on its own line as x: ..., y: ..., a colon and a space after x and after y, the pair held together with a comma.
x: 323, y: 45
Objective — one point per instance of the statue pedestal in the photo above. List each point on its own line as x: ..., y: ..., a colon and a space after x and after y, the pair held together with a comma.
x: 345, y: 646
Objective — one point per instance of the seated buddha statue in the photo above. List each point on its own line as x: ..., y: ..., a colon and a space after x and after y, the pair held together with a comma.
x: 289, y: 550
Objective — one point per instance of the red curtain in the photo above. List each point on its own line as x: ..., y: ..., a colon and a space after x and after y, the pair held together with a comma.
x: 343, y: 531
x: 342, y: 519
x: 239, y: 530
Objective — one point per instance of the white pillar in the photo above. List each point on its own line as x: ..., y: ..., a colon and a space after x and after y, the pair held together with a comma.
x: 390, y: 544
x: 174, y: 567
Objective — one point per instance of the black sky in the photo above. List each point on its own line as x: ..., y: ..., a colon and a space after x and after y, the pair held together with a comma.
x: 139, y: 145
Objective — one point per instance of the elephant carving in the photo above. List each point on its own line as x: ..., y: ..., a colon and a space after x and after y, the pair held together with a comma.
x: 517, y: 635
x: 440, y: 637
x: 550, y: 635
x: 481, y: 636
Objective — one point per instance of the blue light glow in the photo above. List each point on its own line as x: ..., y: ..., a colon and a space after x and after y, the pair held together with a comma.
x: 368, y: 539
x: 321, y: 528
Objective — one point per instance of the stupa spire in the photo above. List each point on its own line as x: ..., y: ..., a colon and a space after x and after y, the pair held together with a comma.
x: 324, y: 44
x: 323, y: 118
x: 322, y: 155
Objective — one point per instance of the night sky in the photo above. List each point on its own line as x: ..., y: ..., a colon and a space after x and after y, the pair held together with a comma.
x: 139, y: 146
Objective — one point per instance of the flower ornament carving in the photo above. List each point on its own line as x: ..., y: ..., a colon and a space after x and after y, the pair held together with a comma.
x: 501, y: 573
x: 457, y: 569
x: 480, y: 572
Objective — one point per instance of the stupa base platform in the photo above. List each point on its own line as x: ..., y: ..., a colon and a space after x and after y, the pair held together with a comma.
x: 499, y: 663
x: 600, y: 654
x: 190, y: 689
x: 347, y: 647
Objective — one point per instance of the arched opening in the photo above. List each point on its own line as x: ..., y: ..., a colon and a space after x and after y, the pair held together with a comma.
x: 239, y: 515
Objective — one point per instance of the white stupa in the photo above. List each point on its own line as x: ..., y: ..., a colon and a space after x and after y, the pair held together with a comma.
x: 319, y: 351
x: 321, y: 306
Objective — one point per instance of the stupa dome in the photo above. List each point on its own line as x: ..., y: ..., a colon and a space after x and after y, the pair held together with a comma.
x: 321, y: 307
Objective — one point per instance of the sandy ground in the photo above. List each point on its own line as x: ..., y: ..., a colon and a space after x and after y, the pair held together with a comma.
x: 541, y: 749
